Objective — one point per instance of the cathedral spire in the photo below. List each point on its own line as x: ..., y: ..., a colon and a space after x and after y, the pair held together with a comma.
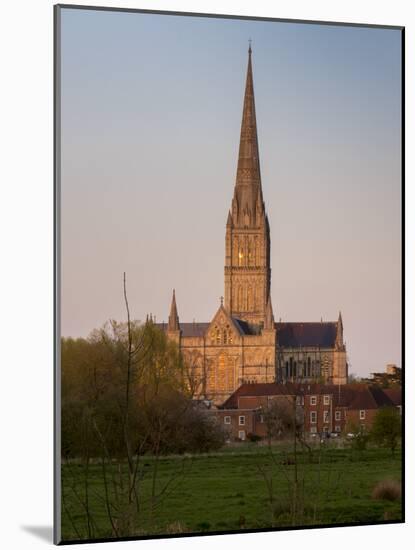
x: 173, y: 317
x: 247, y: 239
x: 248, y: 192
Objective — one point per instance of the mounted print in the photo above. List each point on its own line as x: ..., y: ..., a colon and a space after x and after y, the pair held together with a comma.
x: 229, y: 275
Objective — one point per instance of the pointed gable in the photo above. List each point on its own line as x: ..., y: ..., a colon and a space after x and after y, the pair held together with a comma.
x: 222, y: 321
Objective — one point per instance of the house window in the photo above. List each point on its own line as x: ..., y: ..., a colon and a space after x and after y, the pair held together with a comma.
x: 338, y: 415
x: 227, y: 419
x: 241, y: 435
x: 242, y: 421
x: 326, y: 417
x: 313, y: 417
x: 313, y: 400
x: 337, y: 428
x: 326, y: 400
x: 313, y: 430
x: 362, y: 415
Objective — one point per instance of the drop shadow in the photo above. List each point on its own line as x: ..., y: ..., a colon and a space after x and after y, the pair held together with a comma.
x: 43, y: 532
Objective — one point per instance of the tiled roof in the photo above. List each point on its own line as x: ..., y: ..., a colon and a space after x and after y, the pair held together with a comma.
x: 395, y: 395
x: 295, y: 335
x: 353, y: 396
x: 257, y: 390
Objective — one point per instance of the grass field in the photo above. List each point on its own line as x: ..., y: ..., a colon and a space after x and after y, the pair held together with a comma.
x: 227, y: 491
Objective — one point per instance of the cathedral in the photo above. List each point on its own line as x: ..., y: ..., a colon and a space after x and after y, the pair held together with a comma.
x: 243, y: 343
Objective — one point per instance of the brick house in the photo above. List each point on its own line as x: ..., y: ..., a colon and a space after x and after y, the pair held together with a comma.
x: 324, y: 408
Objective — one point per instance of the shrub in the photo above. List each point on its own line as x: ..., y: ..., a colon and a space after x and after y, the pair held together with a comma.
x: 388, y: 489
x: 254, y: 438
x: 387, y: 428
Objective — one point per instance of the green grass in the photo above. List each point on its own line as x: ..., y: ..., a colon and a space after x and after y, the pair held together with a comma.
x: 225, y: 491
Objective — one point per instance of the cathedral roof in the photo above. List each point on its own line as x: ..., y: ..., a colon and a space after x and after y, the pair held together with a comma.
x: 188, y: 329
x: 247, y: 328
x: 289, y: 335
x: 295, y: 335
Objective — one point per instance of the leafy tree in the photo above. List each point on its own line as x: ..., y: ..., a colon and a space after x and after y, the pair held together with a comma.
x: 125, y: 394
x: 282, y: 417
x: 387, y: 429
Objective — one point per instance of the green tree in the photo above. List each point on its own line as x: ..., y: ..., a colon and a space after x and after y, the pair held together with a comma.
x: 387, y: 428
x: 125, y: 394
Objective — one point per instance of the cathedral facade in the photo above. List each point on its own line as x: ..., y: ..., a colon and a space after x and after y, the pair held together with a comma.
x: 243, y: 343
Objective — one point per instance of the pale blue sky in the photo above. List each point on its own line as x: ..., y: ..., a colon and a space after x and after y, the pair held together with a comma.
x: 151, y: 113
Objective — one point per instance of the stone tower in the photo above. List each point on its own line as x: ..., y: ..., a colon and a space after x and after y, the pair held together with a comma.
x: 247, y: 256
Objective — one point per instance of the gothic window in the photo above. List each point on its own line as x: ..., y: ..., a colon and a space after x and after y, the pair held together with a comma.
x: 250, y: 253
x: 257, y: 252
x: 249, y: 299
x: 217, y: 335
x: 240, y: 308
x: 240, y: 256
x: 225, y: 336
x: 309, y: 367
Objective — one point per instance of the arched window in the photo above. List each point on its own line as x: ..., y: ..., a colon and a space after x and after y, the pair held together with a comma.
x: 240, y: 305
x: 249, y: 299
x: 257, y: 252
x: 217, y: 335
x: 240, y: 255
x: 309, y: 367
x: 225, y: 336
x: 250, y: 253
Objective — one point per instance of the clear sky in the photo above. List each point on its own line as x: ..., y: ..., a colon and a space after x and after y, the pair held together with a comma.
x: 151, y: 114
